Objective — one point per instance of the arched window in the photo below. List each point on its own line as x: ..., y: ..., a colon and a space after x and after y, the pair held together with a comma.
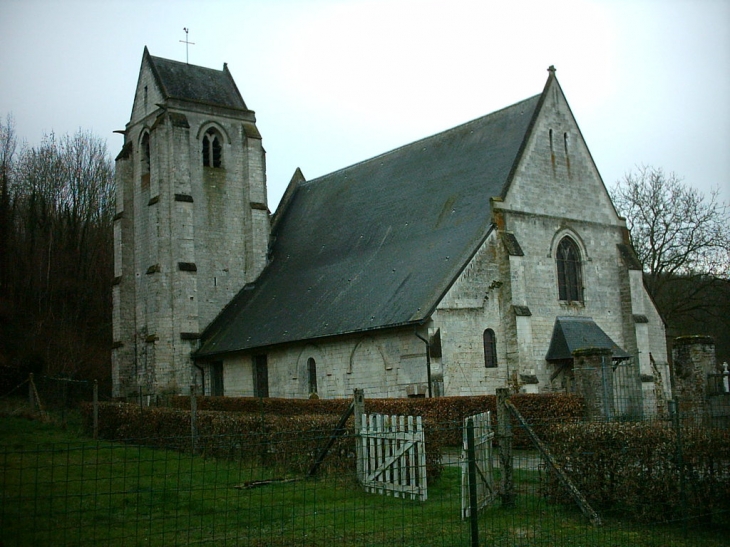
x: 212, y: 150
x: 570, y: 280
x: 490, y: 349
x: 312, y: 375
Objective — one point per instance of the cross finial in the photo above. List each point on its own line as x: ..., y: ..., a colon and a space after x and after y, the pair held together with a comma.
x: 187, y: 43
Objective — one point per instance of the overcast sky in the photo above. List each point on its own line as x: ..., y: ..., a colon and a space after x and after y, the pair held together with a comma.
x: 334, y: 82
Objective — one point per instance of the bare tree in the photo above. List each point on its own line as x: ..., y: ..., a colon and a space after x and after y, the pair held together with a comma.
x: 681, y: 238
x: 58, y: 259
x: 8, y: 144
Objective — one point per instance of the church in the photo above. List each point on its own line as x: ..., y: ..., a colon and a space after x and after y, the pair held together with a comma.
x: 477, y: 258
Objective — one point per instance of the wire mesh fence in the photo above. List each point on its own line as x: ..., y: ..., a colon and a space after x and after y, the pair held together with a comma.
x: 654, y: 483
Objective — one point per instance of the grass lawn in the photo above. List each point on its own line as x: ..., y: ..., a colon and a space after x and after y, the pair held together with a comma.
x: 58, y: 488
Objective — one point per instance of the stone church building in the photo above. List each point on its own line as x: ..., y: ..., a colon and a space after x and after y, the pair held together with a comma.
x: 477, y: 258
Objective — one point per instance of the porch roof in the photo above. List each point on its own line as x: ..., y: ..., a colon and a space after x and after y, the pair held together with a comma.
x: 573, y: 333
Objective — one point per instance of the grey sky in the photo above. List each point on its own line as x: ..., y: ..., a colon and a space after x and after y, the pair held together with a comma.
x: 336, y: 82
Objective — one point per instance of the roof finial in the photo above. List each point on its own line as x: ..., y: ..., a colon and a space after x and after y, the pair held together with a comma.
x: 185, y: 41
x: 551, y: 70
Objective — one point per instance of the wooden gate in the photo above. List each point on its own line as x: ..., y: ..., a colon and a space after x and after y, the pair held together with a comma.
x: 392, y: 456
x: 482, y: 450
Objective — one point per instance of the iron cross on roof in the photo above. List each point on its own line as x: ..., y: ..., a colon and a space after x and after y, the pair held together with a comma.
x: 187, y: 43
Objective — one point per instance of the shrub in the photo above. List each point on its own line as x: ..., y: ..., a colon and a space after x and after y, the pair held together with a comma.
x: 290, y: 432
x: 635, y: 467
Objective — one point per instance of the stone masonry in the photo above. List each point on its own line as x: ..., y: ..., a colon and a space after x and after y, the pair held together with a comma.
x: 186, y: 237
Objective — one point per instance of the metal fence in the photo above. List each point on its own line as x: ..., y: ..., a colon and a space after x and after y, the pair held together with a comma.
x: 61, y: 489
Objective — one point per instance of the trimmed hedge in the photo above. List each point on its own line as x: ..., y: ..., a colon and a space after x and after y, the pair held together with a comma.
x: 290, y: 432
x: 442, y: 414
x: 291, y: 442
x: 634, y: 467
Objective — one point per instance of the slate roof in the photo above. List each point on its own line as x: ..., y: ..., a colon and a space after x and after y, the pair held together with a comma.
x: 377, y: 244
x: 195, y: 83
x: 572, y: 333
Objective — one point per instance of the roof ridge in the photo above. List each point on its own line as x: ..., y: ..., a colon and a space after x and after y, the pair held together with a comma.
x: 190, y: 65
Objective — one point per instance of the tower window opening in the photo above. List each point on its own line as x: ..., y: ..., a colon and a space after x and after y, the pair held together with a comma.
x: 212, y: 149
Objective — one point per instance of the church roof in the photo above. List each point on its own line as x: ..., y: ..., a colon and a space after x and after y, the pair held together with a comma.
x: 195, y: 83
x: 377, y: 244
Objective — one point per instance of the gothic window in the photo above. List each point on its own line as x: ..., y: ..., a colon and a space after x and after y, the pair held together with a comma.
x: 490, y: 349
x: 570, y: 282
x: 212, y: 150
x: 260, y: 376
x: 312, y: 375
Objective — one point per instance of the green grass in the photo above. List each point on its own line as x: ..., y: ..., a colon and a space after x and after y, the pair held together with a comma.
x: 58, y: 488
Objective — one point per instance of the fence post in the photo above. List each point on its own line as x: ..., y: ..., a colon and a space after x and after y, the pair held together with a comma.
x: 359, y: 410
x: 96, y: 409
x: 473, y: 503
x: 31, y: 395
x: 677, y: 424
x: 504, y: 432
x: 193, y: 418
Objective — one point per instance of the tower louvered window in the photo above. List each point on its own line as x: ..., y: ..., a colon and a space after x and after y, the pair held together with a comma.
x: 570, y: 282
x: 212, y: 150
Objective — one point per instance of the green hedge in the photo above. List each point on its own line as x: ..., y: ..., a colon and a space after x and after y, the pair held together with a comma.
x: 291, y: 442
x: 634, y: 467
x: 443, y: 415
x: 290, y: 432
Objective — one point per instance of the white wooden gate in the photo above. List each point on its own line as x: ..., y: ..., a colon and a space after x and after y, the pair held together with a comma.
x: 483, y: 436
x: 393, y: 456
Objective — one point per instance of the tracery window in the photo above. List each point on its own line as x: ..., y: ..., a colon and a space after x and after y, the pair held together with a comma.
x: 570, y: 279
x: 490, y: 349
x: 212, y: 149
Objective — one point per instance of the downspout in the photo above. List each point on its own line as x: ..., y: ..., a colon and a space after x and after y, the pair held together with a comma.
x: 428, y: 361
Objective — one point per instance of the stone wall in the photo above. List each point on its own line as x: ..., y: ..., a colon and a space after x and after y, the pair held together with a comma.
x: 392, y: 364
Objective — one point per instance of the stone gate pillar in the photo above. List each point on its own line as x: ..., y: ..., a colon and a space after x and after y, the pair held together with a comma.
x: 594, y: 381
x: 693, y: 359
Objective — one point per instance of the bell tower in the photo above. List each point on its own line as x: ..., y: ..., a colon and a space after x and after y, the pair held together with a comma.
x: 192, y: 220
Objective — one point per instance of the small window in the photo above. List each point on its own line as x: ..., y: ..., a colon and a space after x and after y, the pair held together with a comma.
x: 490, y: 349
x: 212, y: 150
x: 312, y: 375
x: 260, y: 376
x: 570, y: 282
